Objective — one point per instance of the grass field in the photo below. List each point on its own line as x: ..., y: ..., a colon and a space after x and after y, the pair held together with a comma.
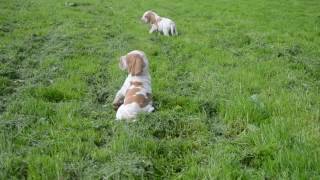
x: 237, y: 93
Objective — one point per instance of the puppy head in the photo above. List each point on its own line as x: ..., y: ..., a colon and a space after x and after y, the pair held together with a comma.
x: 135, y: 62
x: 149, y: 17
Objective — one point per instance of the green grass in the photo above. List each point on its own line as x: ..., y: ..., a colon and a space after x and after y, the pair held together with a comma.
x: 237, y: 92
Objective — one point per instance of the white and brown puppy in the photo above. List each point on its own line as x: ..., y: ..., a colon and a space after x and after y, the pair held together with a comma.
x: 160, y: 24
x: 135, y: 94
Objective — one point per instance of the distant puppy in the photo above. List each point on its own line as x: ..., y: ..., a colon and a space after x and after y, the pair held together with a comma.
x: 135, y: 94
x: 160, y: 24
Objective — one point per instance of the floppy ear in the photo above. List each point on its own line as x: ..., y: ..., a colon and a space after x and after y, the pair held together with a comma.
x: 123, y: 63
x: 151, y: 18
x: 135, y: 64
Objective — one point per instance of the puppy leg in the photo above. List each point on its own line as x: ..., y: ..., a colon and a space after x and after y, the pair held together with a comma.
x: 173, y: 30
x: 117, y: 102
x: 153, y: 28
x: 120, y: 113
x: 149, y: 108
x: 166, y: 32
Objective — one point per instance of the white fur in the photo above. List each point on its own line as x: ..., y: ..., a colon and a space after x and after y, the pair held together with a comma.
x: 130, y: 111
x: 164, y: 25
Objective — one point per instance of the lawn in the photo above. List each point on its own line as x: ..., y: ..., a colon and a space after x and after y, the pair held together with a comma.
x: 237, y: 93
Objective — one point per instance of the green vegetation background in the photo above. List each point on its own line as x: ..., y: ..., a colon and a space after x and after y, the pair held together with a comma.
x: 237, y: 93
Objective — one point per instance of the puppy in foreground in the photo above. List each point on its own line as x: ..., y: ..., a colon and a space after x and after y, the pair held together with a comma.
x: 160, y: 24
x: 135, y: 94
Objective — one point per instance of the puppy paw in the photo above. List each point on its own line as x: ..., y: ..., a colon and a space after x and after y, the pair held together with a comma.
x: 116, y: 105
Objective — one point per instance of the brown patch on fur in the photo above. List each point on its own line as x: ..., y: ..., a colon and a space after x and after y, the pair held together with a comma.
x: 135, y: 64
x: 132, y: 97
x: 151, y: 18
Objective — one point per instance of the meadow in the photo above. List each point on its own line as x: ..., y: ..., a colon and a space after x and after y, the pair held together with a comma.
x: 237, y: 93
